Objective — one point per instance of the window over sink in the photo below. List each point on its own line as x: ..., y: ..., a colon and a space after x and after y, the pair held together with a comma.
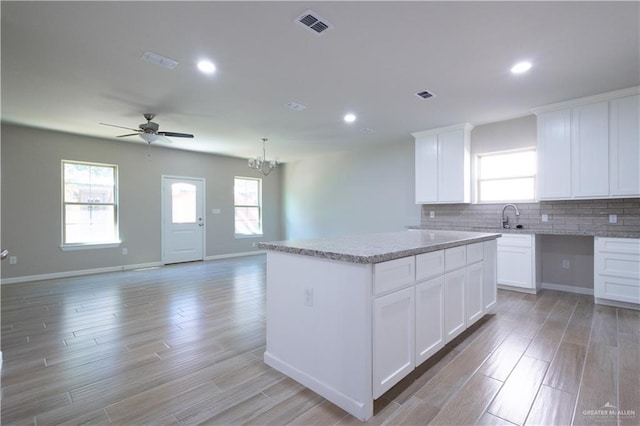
x: 506, y: 176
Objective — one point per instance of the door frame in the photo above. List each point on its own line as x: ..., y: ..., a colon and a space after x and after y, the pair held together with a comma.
x: 163, y: 213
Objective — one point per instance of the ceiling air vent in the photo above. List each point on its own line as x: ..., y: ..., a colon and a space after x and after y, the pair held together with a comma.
x: 159, y: 60
x: 424, y: 94
x: 311, y: 20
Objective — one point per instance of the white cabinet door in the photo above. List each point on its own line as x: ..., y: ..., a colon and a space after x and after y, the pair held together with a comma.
x: 617, y: 269
x: 554, y: 155
x: 426, y: 169
x: 489, y: 294
x: 473, y: 305
x: 393, y: 339
x: 624, y: 147
x: 590, y: 150
x: 515, y: 263
x: 453, y: 168
x: 443, y: 165
x: 454, y: 314
x: 515, y: 267
x: 429, y: 318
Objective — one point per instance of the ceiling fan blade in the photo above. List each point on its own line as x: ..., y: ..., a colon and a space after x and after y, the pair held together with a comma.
x: 120, y: 127
x: 176, y: 135
x: 130, y: 134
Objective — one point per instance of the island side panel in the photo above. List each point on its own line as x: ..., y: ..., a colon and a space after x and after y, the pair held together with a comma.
x: 319, y: 327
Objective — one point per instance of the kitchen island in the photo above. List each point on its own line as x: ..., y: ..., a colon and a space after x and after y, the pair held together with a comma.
x: 350, y: 317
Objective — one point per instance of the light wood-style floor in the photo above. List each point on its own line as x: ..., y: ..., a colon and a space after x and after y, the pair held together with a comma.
x: 183, y: 344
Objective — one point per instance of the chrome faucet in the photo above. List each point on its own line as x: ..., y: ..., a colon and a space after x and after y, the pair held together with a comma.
x: 505, y: 220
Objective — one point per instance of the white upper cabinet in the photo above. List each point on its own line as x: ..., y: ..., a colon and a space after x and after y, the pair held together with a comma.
x: 589, y: 147
x: 624, y: 146
x: 590, y: 150
x: 443, y: 165
x: 554, y: 155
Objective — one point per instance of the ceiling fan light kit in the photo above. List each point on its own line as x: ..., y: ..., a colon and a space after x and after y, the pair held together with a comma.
x: 261, y: 164
x: 149, y: 131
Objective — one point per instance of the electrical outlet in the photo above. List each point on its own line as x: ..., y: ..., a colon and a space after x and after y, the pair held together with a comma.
x: 125, y: 251
x: 13, y: 260
x: 545, y: 218
x: 613, y: 218
x: 432, y: 214
x: 308, y: 297
x: 565, y: 264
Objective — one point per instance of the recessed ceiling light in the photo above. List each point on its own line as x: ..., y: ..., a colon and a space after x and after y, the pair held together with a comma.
x: 350, y: 118
x: 521, y: 67
x: 206, y: 66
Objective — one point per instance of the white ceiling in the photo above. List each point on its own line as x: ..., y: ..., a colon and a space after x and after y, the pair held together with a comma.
x: 69, y: 65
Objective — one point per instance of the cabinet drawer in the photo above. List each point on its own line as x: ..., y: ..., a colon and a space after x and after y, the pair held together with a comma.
x: 429, y: 265
x: 475, y: 253
x: 617, y: 288
x: 393, y: 274
x: 515, y: 240
x: 455, y: 258
x: 618, y: 265
x: 618, y: 245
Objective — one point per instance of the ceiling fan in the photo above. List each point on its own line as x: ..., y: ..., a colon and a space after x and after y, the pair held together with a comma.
x: 149, y: 131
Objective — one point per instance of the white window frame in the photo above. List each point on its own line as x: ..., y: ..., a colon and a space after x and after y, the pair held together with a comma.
x: 478, y: 181
x: 90, y: 245
x: 259, y: 206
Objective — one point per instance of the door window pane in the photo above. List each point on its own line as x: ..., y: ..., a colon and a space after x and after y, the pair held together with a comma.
x: 183, y: 203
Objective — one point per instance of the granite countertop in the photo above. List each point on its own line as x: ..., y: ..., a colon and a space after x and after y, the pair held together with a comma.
x: 537, y: 231
x: 375, y: 248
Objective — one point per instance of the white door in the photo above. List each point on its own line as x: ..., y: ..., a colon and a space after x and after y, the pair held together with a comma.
x: 182, y: 219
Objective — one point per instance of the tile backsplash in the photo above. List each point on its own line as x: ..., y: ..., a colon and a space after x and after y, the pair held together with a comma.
x: 577, y: 217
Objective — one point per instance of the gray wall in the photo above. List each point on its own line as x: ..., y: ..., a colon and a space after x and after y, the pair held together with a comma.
x: 351, y: 193
x: 31, y: 200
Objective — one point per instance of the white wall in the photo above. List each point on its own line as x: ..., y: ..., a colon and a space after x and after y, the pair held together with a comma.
x: 351, y: 193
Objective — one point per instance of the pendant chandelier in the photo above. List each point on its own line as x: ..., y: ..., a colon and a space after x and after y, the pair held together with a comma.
x: 260, y: 163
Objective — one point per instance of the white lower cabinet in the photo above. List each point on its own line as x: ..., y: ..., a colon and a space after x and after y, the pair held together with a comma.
x: 489, y: 291
x: 473, y: 305
x: 429, y: 318
x: 454, y: 315
x: 617, y: 270
x: 393, y: 339
x: 412, y: 321
x: 517, y: 263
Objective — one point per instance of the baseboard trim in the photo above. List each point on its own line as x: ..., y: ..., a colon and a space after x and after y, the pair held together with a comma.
x: 568, y: 288
x: 518, y: 289
x: 81, y: 272
x: 231, y: 255
x: 617, y: 304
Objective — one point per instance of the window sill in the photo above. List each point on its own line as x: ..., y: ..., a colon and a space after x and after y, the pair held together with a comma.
x: 241, y: 236
x: 89, y: 246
